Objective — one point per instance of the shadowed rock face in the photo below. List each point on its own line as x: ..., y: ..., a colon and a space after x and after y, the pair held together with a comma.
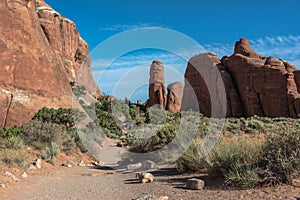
x: 157, y: 91
x: 254, y: 85
x: 41, y: 53
x: 174, y: 97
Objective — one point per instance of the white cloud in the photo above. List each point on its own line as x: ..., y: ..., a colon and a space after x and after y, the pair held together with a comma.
x: 220, y: 49
x: 126, y: 27
x: 284, y: 47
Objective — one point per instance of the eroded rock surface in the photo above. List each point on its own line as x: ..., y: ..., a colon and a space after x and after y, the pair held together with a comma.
x: 41, y: 53
x: 174, y: 97
x: 253, y: 85
x: 157, y: 91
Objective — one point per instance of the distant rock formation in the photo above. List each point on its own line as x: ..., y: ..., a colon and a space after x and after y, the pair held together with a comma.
x: 174, y: 97
x: 254, y: 85
x: 157, y: 91
x: 41, y: 53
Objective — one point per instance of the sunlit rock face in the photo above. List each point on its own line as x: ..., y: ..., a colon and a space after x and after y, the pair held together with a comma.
x: 41, y: 53
x: 253, y: 84
x: 174, y: 97
x: 157, y: 91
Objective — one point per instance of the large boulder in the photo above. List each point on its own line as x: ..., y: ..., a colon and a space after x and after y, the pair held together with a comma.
x: 41, y: 53
x: 157, y: 91
x: 174, y: 97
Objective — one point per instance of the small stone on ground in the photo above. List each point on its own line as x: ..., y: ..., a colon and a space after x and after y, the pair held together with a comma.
x: 13, y: 177
x: 24, y: 175
x: 38, y: 163
x: 195, y: 184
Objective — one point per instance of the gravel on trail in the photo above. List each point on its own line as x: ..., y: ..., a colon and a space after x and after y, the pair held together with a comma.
x: 105, y: 183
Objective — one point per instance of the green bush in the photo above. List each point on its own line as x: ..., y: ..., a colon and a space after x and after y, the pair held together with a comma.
x: 281, y: 157
x: 156, y: 116
x: 78, y: 90
x: 107, y: 120
x: 10, y: 138
x: 36, y: 133
x: 51, y: 152
x: 78, y: 137
x: 59, y: 116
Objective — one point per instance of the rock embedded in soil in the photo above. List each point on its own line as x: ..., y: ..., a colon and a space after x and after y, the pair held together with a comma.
x: 13, y: 177
x: 135, y: 166
x: 81, y: 164
x: 148, y: 164
x: 24, y: 175
x: 195, y: 184
x: 150, y: 197
x: 38, y: 163
x: 145, y: 177
x: 31, y: 167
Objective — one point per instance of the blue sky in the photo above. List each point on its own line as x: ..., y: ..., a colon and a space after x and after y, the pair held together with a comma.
x: 271, y: 26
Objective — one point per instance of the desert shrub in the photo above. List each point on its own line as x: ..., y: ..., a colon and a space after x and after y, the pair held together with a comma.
x: 151, y: 137
x: 13, y: 142
x: 281, y: 157
x: 134, y: 111
x: 78, y: 90
x: 78, y: 137
x: 51, y: 152
x: 190, y: 161
x: 54, y: 125
x: 10, y: 138
x: 13, y: 157
x: 59, y: 116
x: 37, y: 133
x: 107, y: 120
x: 243, y: 176
x: 155, y: 116
x: 234, y: 158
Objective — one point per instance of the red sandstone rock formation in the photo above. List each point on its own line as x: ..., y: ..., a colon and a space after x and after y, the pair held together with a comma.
x: 254, y: 85
x: 41, y: 53
x: 157, y: 91
x: 211, y: 87
x: 174, y: 97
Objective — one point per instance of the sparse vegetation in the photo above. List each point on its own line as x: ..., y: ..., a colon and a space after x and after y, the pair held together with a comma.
x: 51, y: 152
x: 249, y: 152
x: 50, y: 130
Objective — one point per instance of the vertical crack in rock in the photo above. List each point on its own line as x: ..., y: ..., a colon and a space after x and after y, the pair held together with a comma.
x: 8, y: 109
x: 38, y: 57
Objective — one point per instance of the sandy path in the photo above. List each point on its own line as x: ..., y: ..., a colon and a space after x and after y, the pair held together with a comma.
x: 91, y: 183
x: 106, y: 183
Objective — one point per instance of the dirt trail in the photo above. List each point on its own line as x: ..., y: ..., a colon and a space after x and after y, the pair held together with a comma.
x: 104, y: 183
x: 107, y: 183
